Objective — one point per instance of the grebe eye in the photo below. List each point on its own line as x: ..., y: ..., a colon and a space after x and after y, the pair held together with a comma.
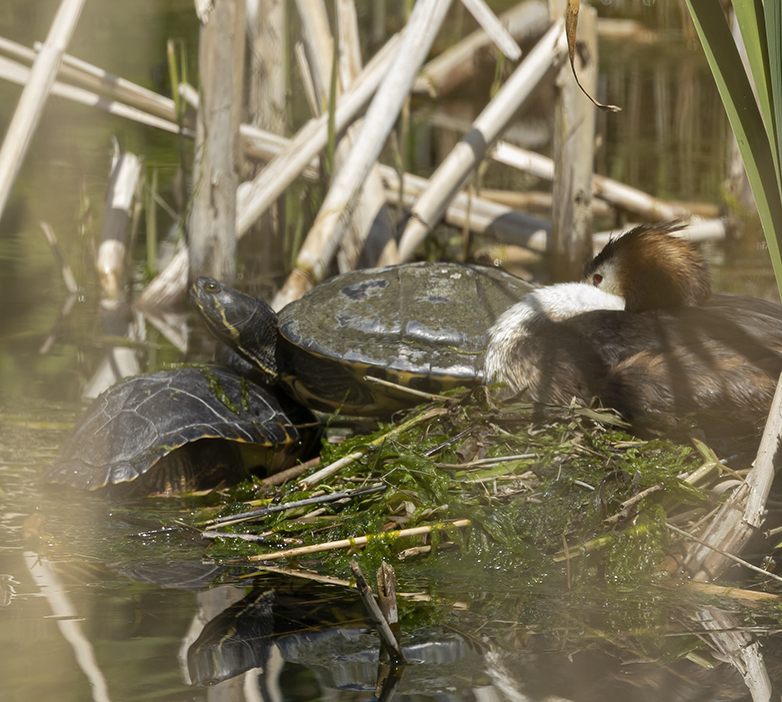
x: 597, y: 279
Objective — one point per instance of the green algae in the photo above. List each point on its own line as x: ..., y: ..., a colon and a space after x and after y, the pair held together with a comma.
x: 575, y: 472
x: 218, y: 390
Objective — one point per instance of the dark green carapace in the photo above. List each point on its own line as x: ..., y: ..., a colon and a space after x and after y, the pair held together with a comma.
x: 179, y: 430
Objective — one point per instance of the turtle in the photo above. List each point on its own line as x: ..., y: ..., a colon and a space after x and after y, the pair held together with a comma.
x: 180, y: 430
x: 420, y: 325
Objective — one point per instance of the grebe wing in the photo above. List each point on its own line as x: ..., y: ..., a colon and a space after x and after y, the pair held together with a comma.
x: 719, y: 362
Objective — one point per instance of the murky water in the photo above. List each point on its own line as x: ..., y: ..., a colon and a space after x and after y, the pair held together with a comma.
x: 96, y: 602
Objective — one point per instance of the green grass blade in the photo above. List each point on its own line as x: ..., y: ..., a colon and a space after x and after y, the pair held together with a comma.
x: 173, y: 75
x: 745, y: 120
x: 774, y: 36
x: 751, y: 20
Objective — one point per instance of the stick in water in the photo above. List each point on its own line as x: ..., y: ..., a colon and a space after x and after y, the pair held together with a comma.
x: 356, y: 541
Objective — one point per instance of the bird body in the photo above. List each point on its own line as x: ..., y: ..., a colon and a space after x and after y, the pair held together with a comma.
x: 714, y: 357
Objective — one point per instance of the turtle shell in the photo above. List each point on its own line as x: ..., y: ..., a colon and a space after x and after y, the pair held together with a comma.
x: 420, y: 325
x: 179, y: 430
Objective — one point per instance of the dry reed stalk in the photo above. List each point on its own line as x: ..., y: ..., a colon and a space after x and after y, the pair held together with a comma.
x: 290, y: 473
x: 735, y: 593
x: 487, y: 462
x: 19, y: 74
x: 386, y: 595
x: 319, y: 48
x: 486, y: 129
x: 538, y: 200
x: 574, y: 149
x: 629, y: 198
x: 736, y: 645
x: 97, y: 79
x: 113, y: 249
x: 457, y: 63
x: 266, y: 146
x: 744, y: 512
x: 168, y: 288
x: 211, y: 232
x: 618, y: 194
x: 716, y: 553
x: 505, y: 224
x: 36, y: 92
x: 327, y: 579
x: 307, y: 79
x: 350, y: 61
x: 494, y: 29
x: 419, y: 394
x: 299, y: 573
x: 482, y: 215
x: 310, y: 140
x: 124, y: 90
x: 335, y: 213
x: 267, y: 48
x: 341, y: 463
x: 371, y: 238
x: 266, y: 106
x: 355, y: 541
x: 389, y: 639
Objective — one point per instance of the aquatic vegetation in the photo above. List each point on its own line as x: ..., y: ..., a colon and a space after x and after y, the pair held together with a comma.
x: 544, y: 492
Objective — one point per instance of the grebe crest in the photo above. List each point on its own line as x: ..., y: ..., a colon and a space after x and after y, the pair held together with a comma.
x: 551, y: 304
x: 651, y: 270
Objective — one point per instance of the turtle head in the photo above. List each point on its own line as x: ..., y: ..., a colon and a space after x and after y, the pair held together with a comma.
x: 244, y: 323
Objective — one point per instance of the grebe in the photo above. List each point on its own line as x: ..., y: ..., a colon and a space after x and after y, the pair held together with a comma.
x: 644, y: 334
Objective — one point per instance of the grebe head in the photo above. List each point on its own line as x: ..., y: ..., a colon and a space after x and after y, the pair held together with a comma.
x: 651, y: 270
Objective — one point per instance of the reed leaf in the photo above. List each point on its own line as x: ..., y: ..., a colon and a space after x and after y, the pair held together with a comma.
x: 749, y: 15
x: 756, y: 138
x: 774, y: 37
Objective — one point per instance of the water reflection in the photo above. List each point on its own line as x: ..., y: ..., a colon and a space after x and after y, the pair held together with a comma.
x: 160, y: 621
x: 284, y: 638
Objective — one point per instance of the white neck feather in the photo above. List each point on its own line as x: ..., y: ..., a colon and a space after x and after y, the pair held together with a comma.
x: 554, y: 303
